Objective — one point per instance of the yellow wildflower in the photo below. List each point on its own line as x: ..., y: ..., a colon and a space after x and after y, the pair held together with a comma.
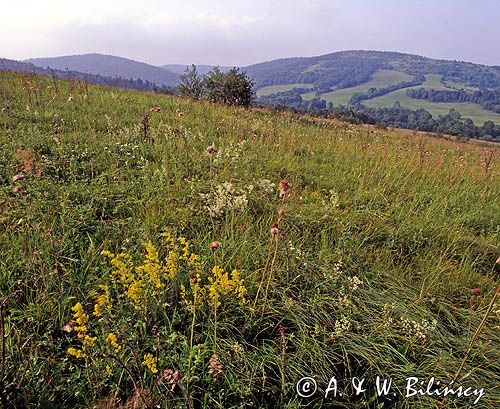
x: 136, y: 292
x: 171, y: 267
x: 81, y: 319
x: 169, y: 240
x: 185, y: 248
x: 112, y: 340
x: 122, y: 263
x: 79, y: 314
x: 150, y: 363
x: 222, y: 283
x: 102, y: 301
x: 77, y: 353
x: 89, y: 341
x: 151, y: 268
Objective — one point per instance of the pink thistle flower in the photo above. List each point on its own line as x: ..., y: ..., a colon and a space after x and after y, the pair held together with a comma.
x: 285, y: 187
x: 215, y: 245
x: 275, y: 229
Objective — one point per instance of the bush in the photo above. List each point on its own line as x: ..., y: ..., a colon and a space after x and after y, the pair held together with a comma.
x: 231, y: 88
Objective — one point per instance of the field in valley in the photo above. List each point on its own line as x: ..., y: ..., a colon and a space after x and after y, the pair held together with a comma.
x: 156, y: 250
x: 381, y: 79
x: 385, y: 78
x: 273, y: 89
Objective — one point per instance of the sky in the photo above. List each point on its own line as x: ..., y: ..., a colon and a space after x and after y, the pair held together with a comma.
x: 240, y: 33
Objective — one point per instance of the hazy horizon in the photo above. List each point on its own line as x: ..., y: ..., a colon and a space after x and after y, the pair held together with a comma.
x: 220, y: 32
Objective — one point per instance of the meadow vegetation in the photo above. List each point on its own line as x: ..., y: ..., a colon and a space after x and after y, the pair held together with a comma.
x: 156, y: 250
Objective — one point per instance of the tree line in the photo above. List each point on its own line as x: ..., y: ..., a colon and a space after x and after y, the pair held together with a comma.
x: 118, y: 82
x: 396, y: 116
x: 488, y: 99
x: 230, y: 88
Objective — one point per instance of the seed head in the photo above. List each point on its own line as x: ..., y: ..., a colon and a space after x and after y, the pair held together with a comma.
x: 285, y: 187
x: 215, y: 245
x: 172, y: 377
x: 214, y: 366
x: 18, y: 177
x: 211, y: 149
x: 275, y: 229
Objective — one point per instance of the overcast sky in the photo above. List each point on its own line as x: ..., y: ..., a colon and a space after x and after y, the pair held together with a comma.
x: 231, y: 32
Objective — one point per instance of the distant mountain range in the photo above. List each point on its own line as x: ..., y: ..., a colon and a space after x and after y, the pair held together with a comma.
x: 119, y: 82
x: 361, y: 79
x: 110, y: 66
x: 375, y: 79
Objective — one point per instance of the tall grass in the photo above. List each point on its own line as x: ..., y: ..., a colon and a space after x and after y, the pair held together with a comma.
x: 414, y: 218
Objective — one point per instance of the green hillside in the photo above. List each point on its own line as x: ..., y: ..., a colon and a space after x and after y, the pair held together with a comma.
x: 468, y: 110
x: 272, y: 89
x: 157, y: 251
x: 380, y: 79
x: 109, y: 66
x: 336, y: 78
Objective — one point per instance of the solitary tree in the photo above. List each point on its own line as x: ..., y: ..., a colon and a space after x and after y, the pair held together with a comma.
x: 231, y: 88
x: 191, y: 84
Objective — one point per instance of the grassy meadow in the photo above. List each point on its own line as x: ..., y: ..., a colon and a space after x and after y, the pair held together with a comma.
x: 151, y: 257
x: 273, y: 89
x: 476, y: 112
x: 384, y: 78
x: 381, y: 79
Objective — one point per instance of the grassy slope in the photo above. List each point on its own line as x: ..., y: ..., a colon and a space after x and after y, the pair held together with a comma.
x: 416, y: 221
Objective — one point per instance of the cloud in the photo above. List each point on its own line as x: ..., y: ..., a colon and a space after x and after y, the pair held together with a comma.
x: 230, y: 32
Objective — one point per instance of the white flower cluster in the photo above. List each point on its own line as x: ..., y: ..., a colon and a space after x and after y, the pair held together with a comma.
x: 343, y: 300
x: 230, y: 154
x: 418, y: 330
x: 331, y: 199
x: 386, y: 312
x: 266, y: 186
x: 225, y: 198
x: 354, y: 283
x: 335, y: 272
x: 237, y: 349
x: 341, y: 326
x: 298, y: 254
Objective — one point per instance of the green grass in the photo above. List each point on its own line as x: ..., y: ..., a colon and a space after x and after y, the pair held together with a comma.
x: 384, y: 232
x: 468, y: 110
x: 273, y: 89
x: 433, y: 81
x: 381, y: 79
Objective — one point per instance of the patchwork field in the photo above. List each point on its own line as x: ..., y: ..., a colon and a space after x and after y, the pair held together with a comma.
x: 381, y: 79
x: 273, y: 89
x: 157, y: 251
x: 468, y: 110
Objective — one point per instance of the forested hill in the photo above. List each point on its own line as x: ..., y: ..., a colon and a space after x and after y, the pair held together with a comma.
x: 110, y: 66
x: 349, y: 68
x: 128, y: 83
x: 394, y: 89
